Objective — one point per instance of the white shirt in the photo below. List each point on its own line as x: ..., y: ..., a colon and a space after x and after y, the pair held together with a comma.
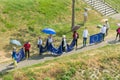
x: 50, y: 40
x: 39, y: 42
x: 107, y: 25
x: 85, y: 14
x: 85, y: 33
x: 65, y: 44
x: 103, y: 30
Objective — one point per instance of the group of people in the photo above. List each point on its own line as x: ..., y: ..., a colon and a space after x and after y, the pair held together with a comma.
x: 27, y: 45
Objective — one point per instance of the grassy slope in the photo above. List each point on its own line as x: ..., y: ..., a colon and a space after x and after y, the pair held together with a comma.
x: 24, y: 20
x: 102, y: 63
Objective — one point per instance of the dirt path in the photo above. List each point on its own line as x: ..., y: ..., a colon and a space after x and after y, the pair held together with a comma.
x: 37, y: 59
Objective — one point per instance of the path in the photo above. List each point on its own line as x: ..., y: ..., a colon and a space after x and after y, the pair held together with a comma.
x: 38, y: 59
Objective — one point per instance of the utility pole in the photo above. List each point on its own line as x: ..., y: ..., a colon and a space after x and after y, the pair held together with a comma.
x: 73, y: 14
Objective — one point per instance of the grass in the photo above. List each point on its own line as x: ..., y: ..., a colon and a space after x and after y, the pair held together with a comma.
x: 101, y: 63
x: 114, y: 4
x: 24, y: 19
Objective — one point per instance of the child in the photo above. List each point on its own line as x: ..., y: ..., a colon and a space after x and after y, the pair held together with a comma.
x: 14, y: 56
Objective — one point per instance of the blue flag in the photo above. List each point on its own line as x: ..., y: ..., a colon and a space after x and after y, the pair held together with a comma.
x: 96, y: 38
x: 20, y: 55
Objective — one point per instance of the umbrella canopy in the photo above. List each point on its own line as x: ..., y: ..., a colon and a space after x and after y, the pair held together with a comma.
x: 16, y: 42
x: 99, y: 26
x: 118, y: 24
x: 49, y: 31
x: 75, y: 28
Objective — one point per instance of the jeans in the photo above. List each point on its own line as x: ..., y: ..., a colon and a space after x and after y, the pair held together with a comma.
x: 27, y: 53
x: 84, y: 41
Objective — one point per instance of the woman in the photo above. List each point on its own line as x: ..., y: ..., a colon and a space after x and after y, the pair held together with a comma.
x: 64, y: 44
x: 14, y: 56
x: 39, y: 44
x: 118, y: 33
x: 75, y: 37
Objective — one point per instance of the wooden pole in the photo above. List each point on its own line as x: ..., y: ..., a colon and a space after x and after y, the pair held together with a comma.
x: 73, y: 14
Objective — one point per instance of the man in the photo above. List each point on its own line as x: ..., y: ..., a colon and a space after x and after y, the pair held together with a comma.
x: 27, y: 49
x: 39, y: 44
x: 107, y: 26
x: 103, y: 31
x: 85, y: 35
x: 75, y: 37
x: 85, y: 15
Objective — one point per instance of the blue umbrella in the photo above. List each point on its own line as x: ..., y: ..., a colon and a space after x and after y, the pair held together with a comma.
x: 16, y: 42
x: 49, y: 31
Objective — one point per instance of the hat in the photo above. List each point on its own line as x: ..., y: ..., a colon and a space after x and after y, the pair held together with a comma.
x: 64, y: 36
x: 14, y: 48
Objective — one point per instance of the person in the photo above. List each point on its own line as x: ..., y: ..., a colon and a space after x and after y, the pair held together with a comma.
x: 39, y: 44
x: 27, y: 49
x: 103, y: 31
x: 64, y: 44
x: 118, y: 33
x: 14, y: 56
x: 85, y: 15
x: 85, y: 35
x: 107, y: 26
x: 75, y: 37
x: 50, y: 41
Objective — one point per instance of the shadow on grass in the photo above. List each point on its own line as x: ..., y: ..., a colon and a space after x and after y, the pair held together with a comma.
x: 38, y: 57
x: 113, y: 42
x: 7, y: 69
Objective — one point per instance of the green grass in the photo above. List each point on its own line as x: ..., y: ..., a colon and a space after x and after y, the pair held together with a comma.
x: 104, y: 64
x: 24, y: 19
x: 114, y: 4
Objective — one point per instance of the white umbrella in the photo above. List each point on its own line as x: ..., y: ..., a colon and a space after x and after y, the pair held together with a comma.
x: 16, y: 42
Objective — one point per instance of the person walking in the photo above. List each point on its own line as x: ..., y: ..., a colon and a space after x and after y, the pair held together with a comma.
x: 118, y: 33
x: 107, y: 26
x: 64, y: 44
x: 103, y: 31
x: 85, y: 35
x: 14, y: 57
x: 85, y: 16
x: 39, y: 44
x: 75, y: 37
x: 27, y: 49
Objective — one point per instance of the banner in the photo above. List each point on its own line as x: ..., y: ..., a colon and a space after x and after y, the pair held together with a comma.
x: 96, y: 38
x: 58, y: 50
x: 20, y: 55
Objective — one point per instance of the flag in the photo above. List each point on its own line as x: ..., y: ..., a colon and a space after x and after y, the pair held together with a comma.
x: 96, y: 38
x: 20, y: 55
